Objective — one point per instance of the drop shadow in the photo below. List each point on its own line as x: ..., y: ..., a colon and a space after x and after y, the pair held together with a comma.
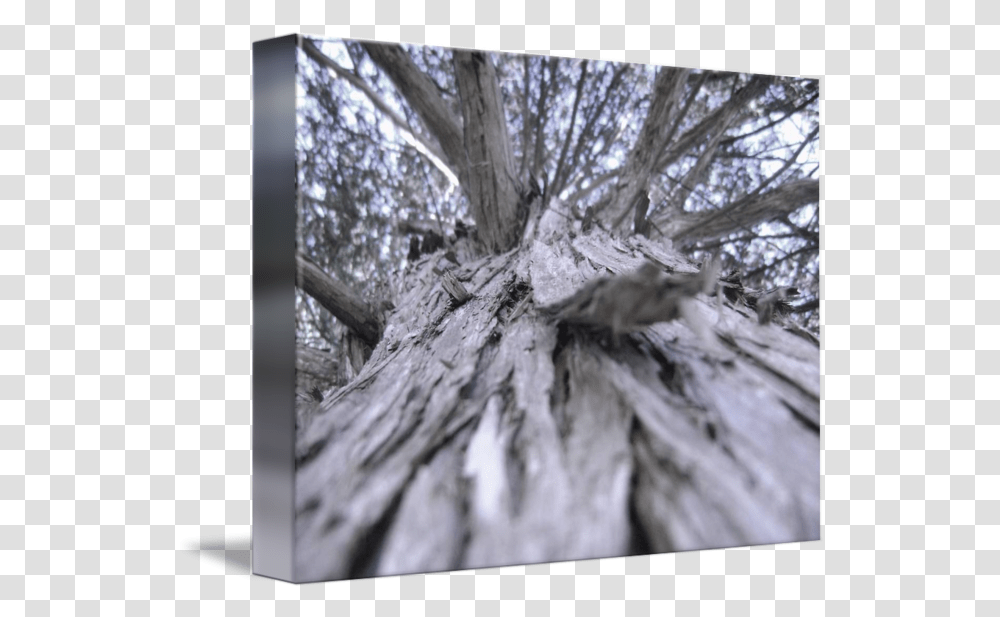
x: 234, y: 554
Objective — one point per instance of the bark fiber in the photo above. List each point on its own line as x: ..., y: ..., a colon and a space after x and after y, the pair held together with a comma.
x: 485, y: 434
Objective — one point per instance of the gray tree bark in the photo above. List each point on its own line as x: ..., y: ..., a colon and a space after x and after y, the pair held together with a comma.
x: 486, y: 434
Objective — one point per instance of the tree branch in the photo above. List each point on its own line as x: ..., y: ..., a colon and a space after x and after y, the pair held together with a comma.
x: 595, y: 183
x: 557, y: 177
x: 773, y: 123
x: 809, y: 305
x: 340, y: 300
x: 525, y: 116
x: 687, y: 106
x: 787, y: 164
x: 538, y: 164
x: 743, y: 214
x: 694, y: 135
x: 424, y: 97
x: 313, y: 52
x: 493, y: 190
x: 802, y: 232
x: 761, y: 269
x: 586, y: 137
x: 641, y: 159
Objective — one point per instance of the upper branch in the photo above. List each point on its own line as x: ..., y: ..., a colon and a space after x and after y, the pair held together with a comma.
x: 313, y: 52
x: 557, y: 179
x: 424, y: 97
x: 642, y: 159
x: 720, y: 116
x: 743, y: 214
x: 493, y: 190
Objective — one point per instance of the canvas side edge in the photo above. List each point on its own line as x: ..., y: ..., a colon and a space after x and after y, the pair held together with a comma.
x: 274, y: 198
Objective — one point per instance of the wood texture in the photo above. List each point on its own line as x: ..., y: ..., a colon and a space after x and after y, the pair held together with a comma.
x: 491, y: 434
x: 491, y: 185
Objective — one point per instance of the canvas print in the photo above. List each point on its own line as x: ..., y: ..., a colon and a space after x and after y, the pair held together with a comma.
x: 545, y: 309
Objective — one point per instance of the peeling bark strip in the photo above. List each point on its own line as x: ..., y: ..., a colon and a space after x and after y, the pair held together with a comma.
x: 491, y: 185
x: 337, y: 298
x: 455, y: 289
x: 628, y: 302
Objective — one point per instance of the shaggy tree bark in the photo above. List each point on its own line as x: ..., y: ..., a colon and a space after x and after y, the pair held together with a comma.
x: 472, y: 439
x: 482, y: 431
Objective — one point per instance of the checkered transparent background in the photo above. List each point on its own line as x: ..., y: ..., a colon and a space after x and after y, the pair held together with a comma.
x: 125, y: 304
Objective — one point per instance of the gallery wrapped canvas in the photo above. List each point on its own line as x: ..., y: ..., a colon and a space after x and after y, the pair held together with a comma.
x: 513, y: 309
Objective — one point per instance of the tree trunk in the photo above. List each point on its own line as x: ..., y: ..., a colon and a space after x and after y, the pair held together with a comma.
x: 485, y: 433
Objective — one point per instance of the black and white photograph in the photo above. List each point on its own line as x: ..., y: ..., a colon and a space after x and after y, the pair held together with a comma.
x: 549, y: 309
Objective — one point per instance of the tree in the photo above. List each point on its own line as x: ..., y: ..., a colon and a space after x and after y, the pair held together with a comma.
x: 554, y: 301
